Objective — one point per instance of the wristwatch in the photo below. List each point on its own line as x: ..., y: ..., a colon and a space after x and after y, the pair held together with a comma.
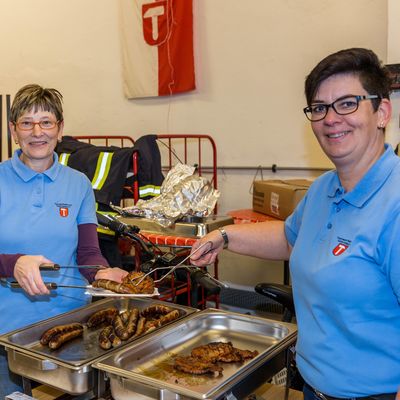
x: 225, y: 237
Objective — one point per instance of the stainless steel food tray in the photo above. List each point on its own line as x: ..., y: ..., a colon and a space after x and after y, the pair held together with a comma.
x: 144, y: 369
x: 68, y: 368
x: 193, y: 229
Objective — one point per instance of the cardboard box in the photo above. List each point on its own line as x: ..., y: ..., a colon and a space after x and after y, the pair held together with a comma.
x: 278, y: 198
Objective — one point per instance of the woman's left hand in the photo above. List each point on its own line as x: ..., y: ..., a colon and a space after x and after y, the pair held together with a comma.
x: 113, y: 274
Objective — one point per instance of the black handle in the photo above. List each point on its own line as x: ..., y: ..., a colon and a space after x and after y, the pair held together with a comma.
x: 49, y: 267
x: 49, y: 285
x: 204, y: 279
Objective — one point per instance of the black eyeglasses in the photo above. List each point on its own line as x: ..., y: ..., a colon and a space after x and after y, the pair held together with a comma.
x: 343, y: 106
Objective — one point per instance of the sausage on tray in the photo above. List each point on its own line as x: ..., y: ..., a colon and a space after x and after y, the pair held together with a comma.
x: 104, y: 340
x: 106, y: 315
x: 56, y: 330
x: 132, y: 322
x: 155, y: 310
x: 119, y: 327
x: 114, y: 339
x: 152, y: 325
x: 113, y: 286
x: 140, y: 326
x: 171, y: 316
x: 58, y: 340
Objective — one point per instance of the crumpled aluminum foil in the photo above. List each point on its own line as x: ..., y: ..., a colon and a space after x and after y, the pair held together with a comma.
x: 181, y: 194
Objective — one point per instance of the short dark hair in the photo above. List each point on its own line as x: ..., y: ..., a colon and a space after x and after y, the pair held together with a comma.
x: 36, y: 97
x: 364, y: 63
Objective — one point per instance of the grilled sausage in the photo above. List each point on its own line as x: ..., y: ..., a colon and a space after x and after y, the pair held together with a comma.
x: 125, y: 316
x: 114, y: 339
x: 119, y: 328
x: 140, y: 326
x: 171, y: 316
x: 105, y: 315
x: 114, y: 286
x: 152, y: 325
x: 132, y: 322
x: 155, y: 310
x: 56, y: 330
x: 61, y: 338
x: 104, y: 340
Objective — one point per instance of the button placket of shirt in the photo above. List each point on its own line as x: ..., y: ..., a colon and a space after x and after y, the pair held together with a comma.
x: 38, y: 191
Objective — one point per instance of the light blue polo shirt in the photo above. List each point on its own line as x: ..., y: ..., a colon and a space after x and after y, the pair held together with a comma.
x: 345, y: 269
x: 39, y: 215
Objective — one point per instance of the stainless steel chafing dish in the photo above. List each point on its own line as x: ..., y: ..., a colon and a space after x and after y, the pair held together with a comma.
x: 188, y: 227
x: 70, y: 367
x: 144, y: 369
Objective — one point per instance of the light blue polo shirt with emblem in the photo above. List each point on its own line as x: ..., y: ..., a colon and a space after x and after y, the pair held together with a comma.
x: 345, y: 268
x: 39, y: 215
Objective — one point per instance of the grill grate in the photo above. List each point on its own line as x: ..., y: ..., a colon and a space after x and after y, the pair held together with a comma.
x: 249, y: 300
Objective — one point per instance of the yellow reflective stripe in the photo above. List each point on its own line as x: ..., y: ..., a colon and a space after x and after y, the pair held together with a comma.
x: 149, y: 190
x: 63, y: 158
x: 103, y: 229
x: 106, y: 231
x: 102, y: 170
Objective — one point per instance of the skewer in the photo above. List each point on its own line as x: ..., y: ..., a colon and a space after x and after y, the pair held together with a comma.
x: 172, y: 268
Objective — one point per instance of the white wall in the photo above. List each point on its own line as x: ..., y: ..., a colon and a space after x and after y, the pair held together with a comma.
x: 251, y: 61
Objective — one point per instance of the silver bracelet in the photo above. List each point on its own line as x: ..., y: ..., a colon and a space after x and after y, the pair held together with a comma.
x: 225, y: 237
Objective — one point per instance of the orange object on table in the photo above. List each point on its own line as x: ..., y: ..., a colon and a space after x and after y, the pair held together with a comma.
x: 247, y: 215
x: 163, y: 240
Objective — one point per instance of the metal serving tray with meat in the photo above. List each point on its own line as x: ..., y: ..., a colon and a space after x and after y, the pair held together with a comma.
x: 69, y: 368
x: 144, y: 370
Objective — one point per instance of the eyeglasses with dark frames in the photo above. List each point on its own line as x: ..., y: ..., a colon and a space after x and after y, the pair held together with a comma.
x: 342, y: 106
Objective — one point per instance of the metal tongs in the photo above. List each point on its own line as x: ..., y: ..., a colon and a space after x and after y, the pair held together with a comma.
x: 53, y: 285
x: 57, y: 267
x: 174, y: 267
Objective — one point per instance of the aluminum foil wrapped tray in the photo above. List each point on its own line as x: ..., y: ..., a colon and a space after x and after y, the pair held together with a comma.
x: 182, y: 194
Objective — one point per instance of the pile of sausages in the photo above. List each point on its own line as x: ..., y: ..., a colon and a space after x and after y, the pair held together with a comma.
x: 130, y: 323
x: 116, y: 326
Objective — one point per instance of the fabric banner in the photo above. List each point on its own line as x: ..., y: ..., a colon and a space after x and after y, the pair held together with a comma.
x: 157, y: 47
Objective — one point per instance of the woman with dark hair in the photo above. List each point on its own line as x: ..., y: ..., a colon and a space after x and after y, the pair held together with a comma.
x: 342, y: 240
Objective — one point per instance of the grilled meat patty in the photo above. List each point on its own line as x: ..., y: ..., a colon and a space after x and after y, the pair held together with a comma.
x: 196, y: 366
x: 204, y: 359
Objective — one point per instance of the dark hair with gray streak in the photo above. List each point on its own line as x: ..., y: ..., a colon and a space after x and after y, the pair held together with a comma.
x: 37, y: 98
x: 364, y: 63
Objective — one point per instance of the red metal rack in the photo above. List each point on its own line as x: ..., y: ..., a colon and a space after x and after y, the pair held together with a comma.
x: 194, y: 149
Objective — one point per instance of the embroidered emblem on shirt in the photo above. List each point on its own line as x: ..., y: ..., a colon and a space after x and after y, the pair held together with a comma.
x: 341, y: 247
x: 63, y: 209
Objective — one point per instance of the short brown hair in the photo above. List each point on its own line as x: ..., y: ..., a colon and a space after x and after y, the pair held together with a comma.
x: 364, y: 63
x: 37, y: 98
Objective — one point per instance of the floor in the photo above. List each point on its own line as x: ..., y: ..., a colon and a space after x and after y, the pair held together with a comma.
x: 275, y: 392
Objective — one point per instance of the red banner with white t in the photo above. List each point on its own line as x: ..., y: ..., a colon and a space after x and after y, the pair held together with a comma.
x: 157, y: 47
